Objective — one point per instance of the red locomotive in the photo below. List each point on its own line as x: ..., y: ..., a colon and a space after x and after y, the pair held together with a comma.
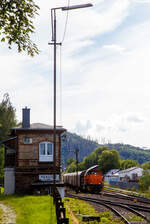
x: 90, y: 180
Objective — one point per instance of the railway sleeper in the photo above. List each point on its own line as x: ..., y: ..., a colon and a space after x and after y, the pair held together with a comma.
x: 87, y: 218
x: 63, y: 221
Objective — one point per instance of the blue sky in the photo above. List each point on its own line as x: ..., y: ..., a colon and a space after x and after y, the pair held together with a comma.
x: 104, y: 75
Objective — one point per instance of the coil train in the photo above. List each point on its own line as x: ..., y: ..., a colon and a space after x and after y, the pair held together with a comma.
x: 90, y: 180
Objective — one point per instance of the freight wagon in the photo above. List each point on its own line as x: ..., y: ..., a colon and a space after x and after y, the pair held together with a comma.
x: 90, y: 180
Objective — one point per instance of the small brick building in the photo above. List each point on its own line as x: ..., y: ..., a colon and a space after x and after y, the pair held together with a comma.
x: 29, y: 157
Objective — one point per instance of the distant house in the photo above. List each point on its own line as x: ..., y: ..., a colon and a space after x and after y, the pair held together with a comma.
x: 130, y: 174
x: 112, y: 175
x: 29, y: 161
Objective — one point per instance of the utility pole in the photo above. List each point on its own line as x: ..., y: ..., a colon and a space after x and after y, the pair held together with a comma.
x: 54, y: 43
x: 77, y: 162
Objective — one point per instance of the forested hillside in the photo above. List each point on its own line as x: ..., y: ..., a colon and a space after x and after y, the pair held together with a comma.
x: 131, y: 152
x: 86, y: 146
x: 73, y: 142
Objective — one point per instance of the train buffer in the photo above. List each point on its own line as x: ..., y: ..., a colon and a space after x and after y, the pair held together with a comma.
x: 88, y: 218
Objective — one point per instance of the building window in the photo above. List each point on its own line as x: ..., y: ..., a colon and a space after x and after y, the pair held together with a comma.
x: 27, y: 140
x: 46, y: 152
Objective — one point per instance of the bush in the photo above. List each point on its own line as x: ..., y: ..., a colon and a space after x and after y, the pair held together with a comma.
x: 144, y: 182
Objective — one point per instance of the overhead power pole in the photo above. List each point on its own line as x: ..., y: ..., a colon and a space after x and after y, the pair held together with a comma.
x: 54, y: 43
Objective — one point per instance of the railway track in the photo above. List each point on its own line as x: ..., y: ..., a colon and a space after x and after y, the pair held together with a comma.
x: 112, y: 205
x: 126, y: 197
x: 125, y: 193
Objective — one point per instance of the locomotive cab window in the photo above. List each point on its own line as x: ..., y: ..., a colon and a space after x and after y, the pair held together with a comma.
x: 46, y: 152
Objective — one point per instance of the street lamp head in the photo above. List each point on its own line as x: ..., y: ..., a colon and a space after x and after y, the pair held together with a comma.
x: 76, y: 6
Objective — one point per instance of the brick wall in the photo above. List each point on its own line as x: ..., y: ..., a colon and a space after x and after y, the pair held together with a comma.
x: 28, y: 167
x: 28, y: 154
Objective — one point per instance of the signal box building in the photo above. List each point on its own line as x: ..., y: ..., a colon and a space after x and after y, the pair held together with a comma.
x: 29, y: 161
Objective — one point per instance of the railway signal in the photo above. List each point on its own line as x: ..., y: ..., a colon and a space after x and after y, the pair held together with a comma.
x: 76, y: 151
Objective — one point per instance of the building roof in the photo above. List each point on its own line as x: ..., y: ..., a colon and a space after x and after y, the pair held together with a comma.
x: 129, y: 169
x: 40, y: 126
x: 8, y: 139
x: 112, y: 171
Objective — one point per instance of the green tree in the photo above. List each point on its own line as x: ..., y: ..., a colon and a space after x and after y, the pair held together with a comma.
x: 7, y: 117
x: 69, y: 161
x: 7, y: 121
x: 1, y: 164
x: 125, y: 164
x: 144, y: 182
x: 92, y: 159
x: 16, y: 24
x: 71, y: 168
x: 109, y: 159
x: 146, y: 166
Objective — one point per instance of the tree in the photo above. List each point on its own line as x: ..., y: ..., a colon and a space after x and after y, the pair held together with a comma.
x: 7, y: 121
x: 144, y: 182
x: 1, y: 164
x: 16, y: 24
x: 125, y: 164
x: 109, y: 159
x: 7, y: 117
x: 146, y: 166
x: 69, y: 161
x: 91, y: 159
x: 71, y: 168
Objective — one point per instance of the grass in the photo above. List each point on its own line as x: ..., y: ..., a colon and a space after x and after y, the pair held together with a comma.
x: 2, y: 190
x: 32, y: 209
x: 80, y: 208
x: 1, y: 213
x: 134, y: 218
x: 128, y: 191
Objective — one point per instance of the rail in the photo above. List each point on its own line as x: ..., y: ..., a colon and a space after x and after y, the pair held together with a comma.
x: 109, y: 204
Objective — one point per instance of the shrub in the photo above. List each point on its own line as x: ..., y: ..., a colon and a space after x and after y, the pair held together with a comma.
x: 144, y: 182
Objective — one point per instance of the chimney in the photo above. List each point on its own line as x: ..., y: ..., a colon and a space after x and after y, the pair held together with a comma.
x: 26, y: 117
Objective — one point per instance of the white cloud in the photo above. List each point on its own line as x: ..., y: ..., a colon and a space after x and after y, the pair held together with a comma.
x: 141, y: 1
x: 90, y: 22
x: 105, y: 71
x: 135, y: 119
x: 114, y: 47
x: 81, y: 128
x: 113, y: 129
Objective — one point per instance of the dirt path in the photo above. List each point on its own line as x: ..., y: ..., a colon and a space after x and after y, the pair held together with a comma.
x: 72, y: 216
x: 9, y: 215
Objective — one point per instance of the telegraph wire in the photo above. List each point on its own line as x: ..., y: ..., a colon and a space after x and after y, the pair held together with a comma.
x: 66, y: 22
x: 60, y: 61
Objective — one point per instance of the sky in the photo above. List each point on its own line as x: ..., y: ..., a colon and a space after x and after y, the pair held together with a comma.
x: 103, y: 80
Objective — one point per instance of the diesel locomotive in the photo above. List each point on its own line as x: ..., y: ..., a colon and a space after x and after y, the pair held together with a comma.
x: 90, y: 180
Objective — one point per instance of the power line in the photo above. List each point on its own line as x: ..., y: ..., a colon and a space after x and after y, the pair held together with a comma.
x: 66, y: 22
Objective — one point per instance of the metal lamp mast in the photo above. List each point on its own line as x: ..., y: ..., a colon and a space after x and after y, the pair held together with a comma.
x: 54, y: 43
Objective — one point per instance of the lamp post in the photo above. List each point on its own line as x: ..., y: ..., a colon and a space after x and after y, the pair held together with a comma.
x: 54, y: 43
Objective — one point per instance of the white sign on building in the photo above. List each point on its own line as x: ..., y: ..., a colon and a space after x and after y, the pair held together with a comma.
x: 48, y: 177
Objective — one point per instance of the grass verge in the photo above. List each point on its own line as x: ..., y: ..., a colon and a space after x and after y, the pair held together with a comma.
x: 1, y: 213
x: 80, y: 208
x: 32, y: 209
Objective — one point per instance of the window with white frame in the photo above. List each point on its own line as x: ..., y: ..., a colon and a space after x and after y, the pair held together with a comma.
x: 27, y: 140
x: 46, y: 152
